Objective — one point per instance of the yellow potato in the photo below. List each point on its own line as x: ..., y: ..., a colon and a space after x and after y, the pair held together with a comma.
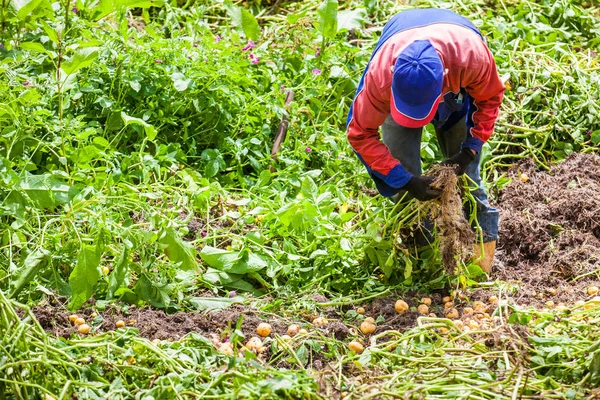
x: 293, y: 330
x: 254, y: 343
x: 226, y: 348
x: 356, y: 347
x: 452, y: 313
x: 367, y: 327
x: 264, y: 329
x: 83, y: 329
x: 401, y: 306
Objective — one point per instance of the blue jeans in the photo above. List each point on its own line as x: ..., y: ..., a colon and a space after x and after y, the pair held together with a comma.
x: 405, y: 146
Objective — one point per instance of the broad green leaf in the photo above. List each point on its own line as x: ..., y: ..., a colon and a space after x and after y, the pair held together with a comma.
x: 328, y: 18
x: 180, y: 81
x: 83, y: 57
x: 232, y: 261
x: 214, y: 162
x: 119, y: 273
x: 127, y: 295
x: 47, y: 191
x: 244, y: 20
x: 148, y: 129
x: 106, y: 7
x: 250, y: 25
x: 302, y: 354
x: 156, y: 295
x: 223, y: 260
x: 264, y: 178
x: 31, y: 9
x: 214, y: 303
x: 595, y: 137
x: 179, y: 251
x: 293, y: 18
x: 85, y: 275
x: 309, y: 188
x: 51, y: 32
x: 408, y: 267
x: 351, y: 19
x: 33, y: 46
x: 365, y: 357
x: 28, y: 270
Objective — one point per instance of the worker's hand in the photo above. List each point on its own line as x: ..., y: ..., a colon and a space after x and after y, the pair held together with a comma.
x: 460, y: 160
x: 419, y: 188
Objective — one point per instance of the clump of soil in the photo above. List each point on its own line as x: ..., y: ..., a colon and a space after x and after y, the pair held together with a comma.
x: 456, y: 236
x: 550, y: 228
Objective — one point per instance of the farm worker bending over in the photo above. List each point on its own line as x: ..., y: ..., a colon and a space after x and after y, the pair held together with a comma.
x: 429, y: 66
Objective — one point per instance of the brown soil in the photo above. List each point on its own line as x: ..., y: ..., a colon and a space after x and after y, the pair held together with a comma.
x: 156, y: 324
x: 384, y: 307
x: 550, y: 230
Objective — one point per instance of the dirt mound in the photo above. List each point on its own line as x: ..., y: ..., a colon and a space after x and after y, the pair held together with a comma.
x: 550, y: 227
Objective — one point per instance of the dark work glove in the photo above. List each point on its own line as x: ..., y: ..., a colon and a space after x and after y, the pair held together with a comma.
x: 419, y: 188
x: 461, y: 160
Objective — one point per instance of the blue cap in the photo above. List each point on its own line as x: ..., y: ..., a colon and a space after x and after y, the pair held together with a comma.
x: 416, y: 85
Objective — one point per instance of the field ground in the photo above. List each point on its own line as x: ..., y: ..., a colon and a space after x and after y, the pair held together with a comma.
x: 140, y: 194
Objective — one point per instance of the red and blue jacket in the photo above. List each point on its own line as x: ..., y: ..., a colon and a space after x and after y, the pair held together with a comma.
x: 469, y: 68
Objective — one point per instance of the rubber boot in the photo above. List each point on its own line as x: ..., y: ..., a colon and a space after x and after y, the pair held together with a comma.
x: 489, y: 248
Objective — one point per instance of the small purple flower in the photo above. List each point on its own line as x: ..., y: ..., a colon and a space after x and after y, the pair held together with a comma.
x: 204, y: 233
x: 217, y: 38
x: 318, y: 52
x: 308, y: 149
x: 340, y: 157
x: 589, y: 133
x: 158, y: 61
x: 249, y: 46
x: 316, y: 71
x: 282, y: 88
x: 27, y: 83
x: 195, y: 45
x: 75, y: 10
x: 189, y: 57
x: 232, y: 293
x: 254, y: 60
